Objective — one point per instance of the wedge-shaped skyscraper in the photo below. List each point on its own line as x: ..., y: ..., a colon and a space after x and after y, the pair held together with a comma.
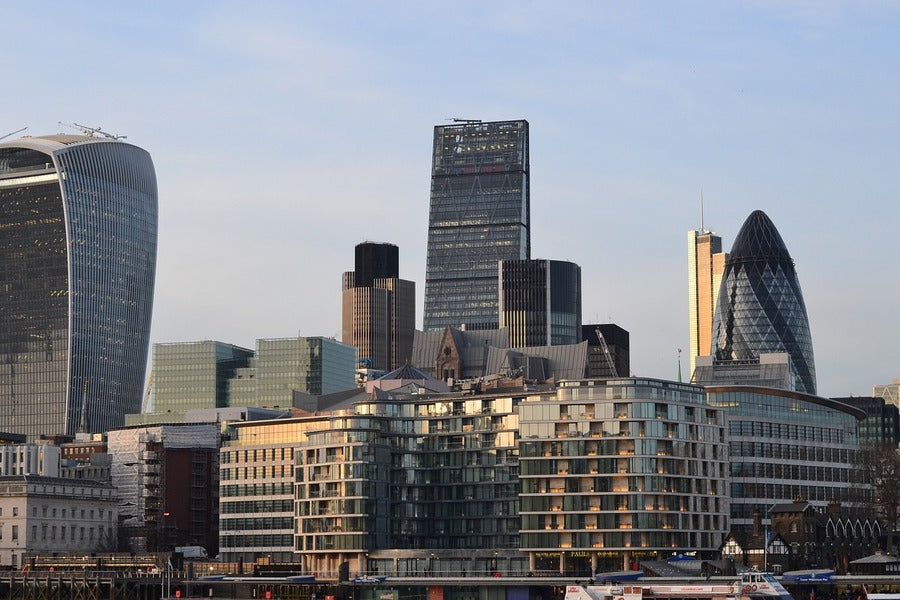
x: 78, y: 218
x: 479, y: 215
x: 760, y: 307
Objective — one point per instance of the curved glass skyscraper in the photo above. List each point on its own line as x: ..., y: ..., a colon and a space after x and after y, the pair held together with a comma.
x: 78, y: 219
x: 760, y: 307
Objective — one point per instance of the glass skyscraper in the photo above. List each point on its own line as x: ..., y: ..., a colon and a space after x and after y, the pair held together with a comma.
x: 480, y: 214
x: 760, y: 307
x: 78, y: 217
x: 540, y: 302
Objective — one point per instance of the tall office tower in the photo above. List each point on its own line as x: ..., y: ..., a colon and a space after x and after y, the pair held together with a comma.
x: 78, y: 216
x: 706, y: 263
x: 378, y: 308
x: 480, y: 214
x: 760, y: 307
x: 540, y: 302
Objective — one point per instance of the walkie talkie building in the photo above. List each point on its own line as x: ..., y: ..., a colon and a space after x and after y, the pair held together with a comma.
x: 78, y: 226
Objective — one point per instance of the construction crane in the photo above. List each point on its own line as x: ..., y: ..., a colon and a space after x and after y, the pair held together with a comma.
x: 90, y: 131
x: 13, y: 133
x: 145, y: 405
x: 606, y: 353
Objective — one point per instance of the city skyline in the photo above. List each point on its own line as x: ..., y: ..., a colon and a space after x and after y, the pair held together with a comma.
x: 283, y: 137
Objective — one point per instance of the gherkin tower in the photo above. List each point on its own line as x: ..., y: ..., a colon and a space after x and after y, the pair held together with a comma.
x: 760, y: 307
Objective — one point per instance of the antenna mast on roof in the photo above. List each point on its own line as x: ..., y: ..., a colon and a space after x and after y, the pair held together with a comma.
x: 458, y: 120
x: 702, y: 229
x: 90, y: 131
x: 12, y: 133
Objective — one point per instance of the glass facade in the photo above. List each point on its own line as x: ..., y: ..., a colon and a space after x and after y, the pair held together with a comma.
x: 620, y: 470
x: 540, y: 302
x: 77, y: 268
x: 479, y: 215
x: 256, y: 482
x: 210, y: 374
x: 760, y: 307
x: 783, y: 446
x: 434, y: 473
x: 193, y: 375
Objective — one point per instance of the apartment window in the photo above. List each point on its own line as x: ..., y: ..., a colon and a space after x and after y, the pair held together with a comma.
x: 34, y: 532
x: 15, y: 533
x: 15, y: 511
x: 62, y: 533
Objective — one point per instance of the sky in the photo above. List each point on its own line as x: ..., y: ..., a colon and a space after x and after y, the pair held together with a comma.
x: 285, y: 133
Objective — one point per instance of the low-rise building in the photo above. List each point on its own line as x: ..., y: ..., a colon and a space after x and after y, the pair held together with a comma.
x: 51, y: 514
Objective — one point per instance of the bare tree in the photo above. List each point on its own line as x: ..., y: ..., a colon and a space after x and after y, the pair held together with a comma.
x: 878, y: 481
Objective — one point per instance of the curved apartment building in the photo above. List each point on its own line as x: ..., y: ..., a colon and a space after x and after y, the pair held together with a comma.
x: 617, y: 471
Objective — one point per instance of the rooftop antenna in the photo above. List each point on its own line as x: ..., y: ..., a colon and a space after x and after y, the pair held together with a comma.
x: 679, y: 365
x: 458, y: 120
x: 13, y: 133
x: 702, y: 229
x: 90, y: 131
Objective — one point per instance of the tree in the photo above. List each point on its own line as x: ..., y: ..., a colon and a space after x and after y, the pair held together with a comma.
x: 878, y: 473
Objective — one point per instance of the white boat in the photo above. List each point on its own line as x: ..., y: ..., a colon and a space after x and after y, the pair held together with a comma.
x: 756, y: 584
x: 752, y: 585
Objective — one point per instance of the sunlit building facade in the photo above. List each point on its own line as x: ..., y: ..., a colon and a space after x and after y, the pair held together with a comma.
x: 378, y: 309
x: 617, y: 471
x: 78, y: 216
x: 404, y: 484
x: 479, y: 215
x: 706, y: 264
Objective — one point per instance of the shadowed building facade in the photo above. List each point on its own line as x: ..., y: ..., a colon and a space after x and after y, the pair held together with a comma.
x: 479, y: 215
x: 760, y: 307
x: 78, y: 217
x: 540, y: 302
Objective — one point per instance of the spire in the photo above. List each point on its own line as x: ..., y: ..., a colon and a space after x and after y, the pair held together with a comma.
x: 702, y: 229
x: 679, y: 365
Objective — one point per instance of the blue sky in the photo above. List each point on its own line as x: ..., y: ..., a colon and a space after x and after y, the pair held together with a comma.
x: 284, y: 133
